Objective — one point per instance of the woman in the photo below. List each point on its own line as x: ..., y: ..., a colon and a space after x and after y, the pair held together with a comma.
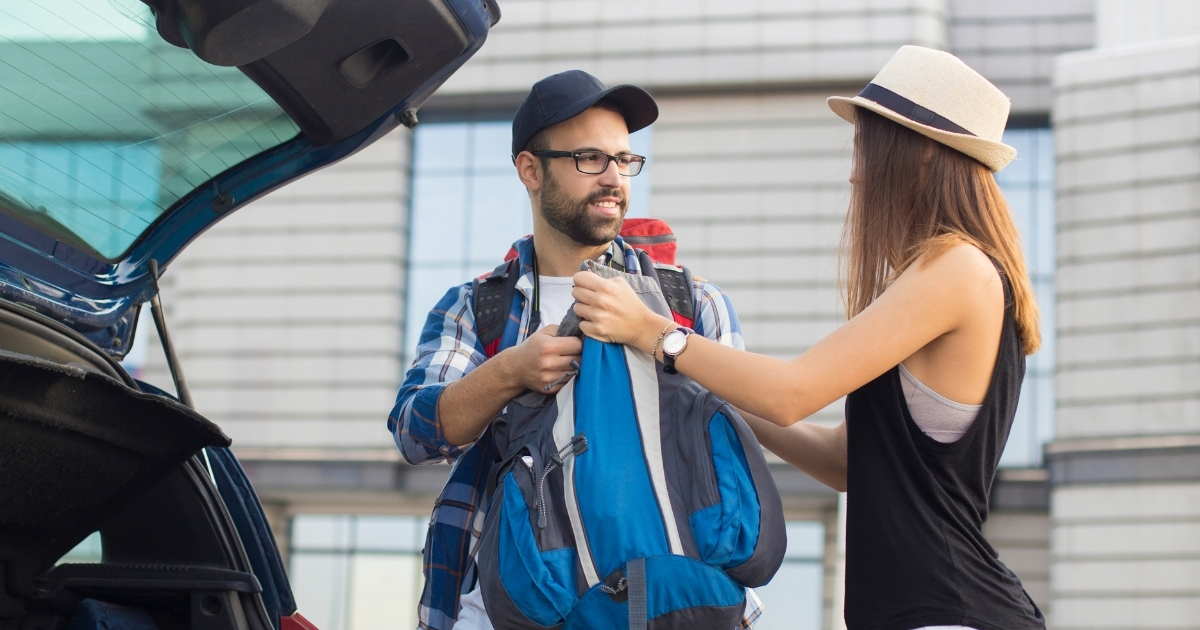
x: 941, y: 317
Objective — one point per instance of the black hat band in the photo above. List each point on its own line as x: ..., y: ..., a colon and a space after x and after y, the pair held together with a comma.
x: 909, y: 109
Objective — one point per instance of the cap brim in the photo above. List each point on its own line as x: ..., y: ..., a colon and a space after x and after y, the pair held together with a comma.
x: 637, y: 106
x: 994, y: 155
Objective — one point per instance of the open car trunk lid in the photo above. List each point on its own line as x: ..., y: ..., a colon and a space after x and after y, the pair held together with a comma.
x: 118, y: 146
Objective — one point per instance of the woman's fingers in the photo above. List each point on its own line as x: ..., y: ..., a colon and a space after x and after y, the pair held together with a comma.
x: 587, y: 280
x: 593, y: 331
x: 592, y: 322
x: 608, y: 307
x: 584, y: 310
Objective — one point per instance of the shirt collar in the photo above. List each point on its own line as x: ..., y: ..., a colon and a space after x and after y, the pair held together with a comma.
x: 524, y: 247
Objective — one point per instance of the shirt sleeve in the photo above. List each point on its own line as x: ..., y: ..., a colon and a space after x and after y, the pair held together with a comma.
x: 447, y: 351
x: 715, y: 315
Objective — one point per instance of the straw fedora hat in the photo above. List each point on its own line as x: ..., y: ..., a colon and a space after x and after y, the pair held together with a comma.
x: 935, y: 94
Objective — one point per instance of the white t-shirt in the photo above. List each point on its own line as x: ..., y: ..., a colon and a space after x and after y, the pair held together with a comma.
x: 554, y: 298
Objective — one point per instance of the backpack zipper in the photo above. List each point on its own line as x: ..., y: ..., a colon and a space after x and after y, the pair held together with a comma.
x: 576, y: 446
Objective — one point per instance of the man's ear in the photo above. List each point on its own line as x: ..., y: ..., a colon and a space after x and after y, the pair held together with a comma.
x: 529, y: 169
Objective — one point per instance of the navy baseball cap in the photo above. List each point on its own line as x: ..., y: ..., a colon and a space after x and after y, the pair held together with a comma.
x: 565, y: 95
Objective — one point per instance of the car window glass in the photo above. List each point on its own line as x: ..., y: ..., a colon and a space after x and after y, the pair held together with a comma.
x: 103, y: 125
x: 89, y: 551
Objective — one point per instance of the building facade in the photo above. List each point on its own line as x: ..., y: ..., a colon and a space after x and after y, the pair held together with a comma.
x: 294, y: 318
x: 1125, y: 463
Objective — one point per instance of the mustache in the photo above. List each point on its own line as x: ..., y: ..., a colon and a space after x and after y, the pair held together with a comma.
x: 606, y: 192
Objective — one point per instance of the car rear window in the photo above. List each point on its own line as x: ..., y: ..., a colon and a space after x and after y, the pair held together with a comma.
x: 103, y: 125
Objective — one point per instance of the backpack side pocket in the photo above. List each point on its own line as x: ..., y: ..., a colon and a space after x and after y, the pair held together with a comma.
x: 726, y: 531
x: 761, y: 543
x: 539, y: 584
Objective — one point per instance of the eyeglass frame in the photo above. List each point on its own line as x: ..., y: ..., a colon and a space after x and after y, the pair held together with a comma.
x: 609, y: 160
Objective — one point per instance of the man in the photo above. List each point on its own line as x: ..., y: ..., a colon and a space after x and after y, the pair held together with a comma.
x: 571, y: 151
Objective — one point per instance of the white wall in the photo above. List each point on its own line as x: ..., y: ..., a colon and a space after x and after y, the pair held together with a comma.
x: 692, y: 43
x: 1124, y: 22
x: 1128, y: 143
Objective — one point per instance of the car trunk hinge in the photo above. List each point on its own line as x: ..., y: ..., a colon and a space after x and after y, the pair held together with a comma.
x: 164, y: 335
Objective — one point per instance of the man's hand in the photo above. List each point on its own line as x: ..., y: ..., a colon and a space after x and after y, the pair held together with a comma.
x: 542, y: 359
x: 470, y: 403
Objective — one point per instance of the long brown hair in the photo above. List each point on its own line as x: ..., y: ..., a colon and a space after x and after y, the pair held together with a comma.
x: 916, y: 197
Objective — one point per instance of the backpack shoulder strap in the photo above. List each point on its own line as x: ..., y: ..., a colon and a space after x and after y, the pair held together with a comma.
x: 492, y: 297
x: 676, y: 285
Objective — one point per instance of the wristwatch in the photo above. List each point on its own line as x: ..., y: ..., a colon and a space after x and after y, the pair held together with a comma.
x: 673, y: 345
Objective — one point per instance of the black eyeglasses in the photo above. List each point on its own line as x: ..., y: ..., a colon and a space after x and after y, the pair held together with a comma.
x: 596, y: 162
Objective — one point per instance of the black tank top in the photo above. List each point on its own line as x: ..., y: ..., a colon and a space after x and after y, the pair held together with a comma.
x: 915, y: 508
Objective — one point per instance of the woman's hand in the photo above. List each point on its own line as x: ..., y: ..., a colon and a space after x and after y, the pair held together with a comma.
x: 613, y: 313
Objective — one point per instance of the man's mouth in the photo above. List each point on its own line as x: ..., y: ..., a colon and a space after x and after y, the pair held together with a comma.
x: 607, y: 206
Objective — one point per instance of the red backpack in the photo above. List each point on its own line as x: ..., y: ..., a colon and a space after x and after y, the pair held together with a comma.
x: 655, y: 243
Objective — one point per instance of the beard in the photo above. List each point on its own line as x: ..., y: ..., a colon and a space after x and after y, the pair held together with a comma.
x: 570, y: 216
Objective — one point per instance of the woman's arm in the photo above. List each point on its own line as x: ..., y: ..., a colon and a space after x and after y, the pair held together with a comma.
x: 818, y: 451
x: 929, y: 300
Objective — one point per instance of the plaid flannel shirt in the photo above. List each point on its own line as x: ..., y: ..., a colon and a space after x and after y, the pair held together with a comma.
x: 447, y: 351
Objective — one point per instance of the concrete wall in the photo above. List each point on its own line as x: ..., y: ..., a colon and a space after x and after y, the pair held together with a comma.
x: 1013, y: 43
x: 1122, y: 22
x: 1126, y: 466
x: 685, y: 44
x: 1126, y: 556
x: 1128, y: 143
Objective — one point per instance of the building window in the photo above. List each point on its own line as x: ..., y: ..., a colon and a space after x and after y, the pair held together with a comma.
x: 357, y: 572
x: 468, y: 207
x: 1028, y: 185
x: 794, y: 599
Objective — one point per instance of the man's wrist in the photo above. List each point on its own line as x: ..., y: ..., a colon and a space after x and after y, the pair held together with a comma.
x: 506, y: 368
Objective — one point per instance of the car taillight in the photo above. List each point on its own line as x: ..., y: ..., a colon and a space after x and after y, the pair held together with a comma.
x: 295, y: 621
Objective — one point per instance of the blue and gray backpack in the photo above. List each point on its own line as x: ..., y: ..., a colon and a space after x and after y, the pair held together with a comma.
x: 632, y: 499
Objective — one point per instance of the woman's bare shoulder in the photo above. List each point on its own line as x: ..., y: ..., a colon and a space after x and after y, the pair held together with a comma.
x: 961, y: 273
x: 962, y: 261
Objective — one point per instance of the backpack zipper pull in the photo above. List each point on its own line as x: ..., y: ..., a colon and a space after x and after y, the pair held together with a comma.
x: 577, y: 445
x: 565, y: 377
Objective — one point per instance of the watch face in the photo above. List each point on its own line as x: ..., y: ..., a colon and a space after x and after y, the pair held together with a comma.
x: 674, y: 342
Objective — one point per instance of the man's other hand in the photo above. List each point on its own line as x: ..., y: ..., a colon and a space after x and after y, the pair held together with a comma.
x: 543, y: 359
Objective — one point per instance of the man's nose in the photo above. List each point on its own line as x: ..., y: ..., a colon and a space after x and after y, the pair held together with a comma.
x: 611, y: 178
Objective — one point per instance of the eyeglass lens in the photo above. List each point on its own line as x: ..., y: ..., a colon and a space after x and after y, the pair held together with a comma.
x: 595, y: 162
